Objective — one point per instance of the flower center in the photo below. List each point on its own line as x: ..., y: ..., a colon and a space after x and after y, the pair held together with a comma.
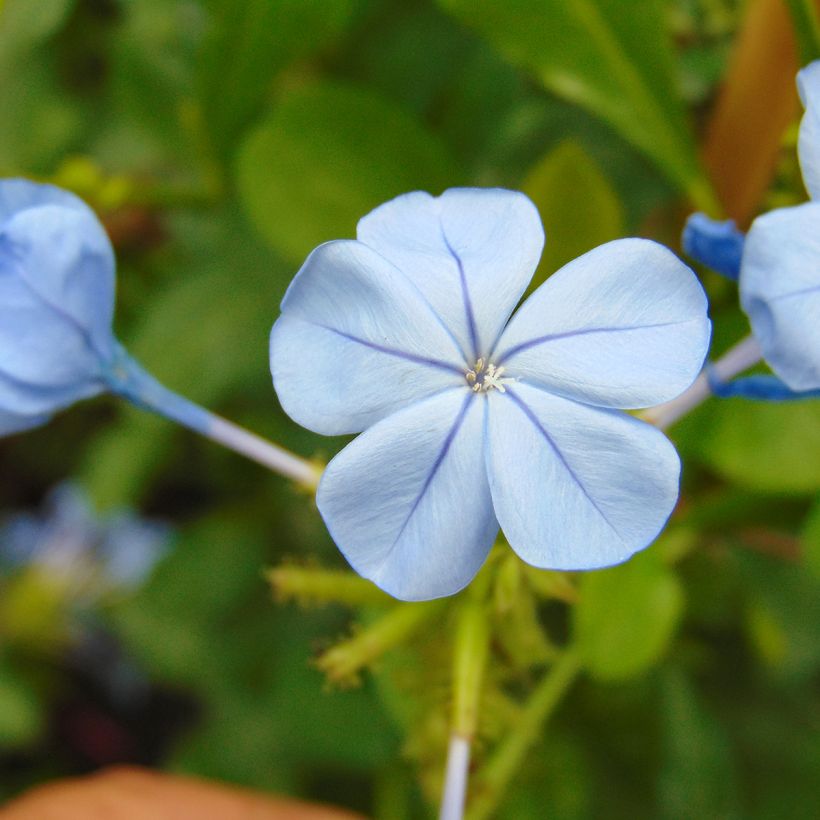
x: 486, y: 377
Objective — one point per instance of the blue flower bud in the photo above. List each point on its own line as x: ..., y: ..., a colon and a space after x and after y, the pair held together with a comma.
x: 56, y: 303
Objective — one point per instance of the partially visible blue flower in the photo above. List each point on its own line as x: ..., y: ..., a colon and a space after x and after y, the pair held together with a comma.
x: 56, y: 303
x: 719, y: 245
x: 780, y: 271
x: 88, y: 553
x: 471, y: 421
x: 57, y: 282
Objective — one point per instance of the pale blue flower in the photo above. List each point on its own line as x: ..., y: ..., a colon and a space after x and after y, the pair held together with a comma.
x: 91, y: 553
x: 57, y: 282
x: 780, y: 269
x: 56, y: 303
x: 471, y: 421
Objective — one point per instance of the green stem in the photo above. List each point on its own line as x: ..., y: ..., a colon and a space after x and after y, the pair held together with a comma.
x: 309, y: 585
x: 493, y: 779
x: 472, y: 644
x: 343, y: 662
x: 806, y: 29
x: 471, y: 650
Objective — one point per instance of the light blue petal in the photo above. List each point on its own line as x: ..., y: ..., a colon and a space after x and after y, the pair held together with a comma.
x: 624, y: 325
x: 64, y: 258
x: 808, y: 144
x: 576, y: 487
x: 27, y: 399
x: 408, y: 502
x: 471, y: 252
x: 11, y: 423
x: 356, y: 341
x: 780, y: 291
x: 18, y: 195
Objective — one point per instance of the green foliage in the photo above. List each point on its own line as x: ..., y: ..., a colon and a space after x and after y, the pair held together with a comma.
x: 23, y: 27
x: 699, y: 777
x: 21, y: 711
x: 610, y: 56
x: 772, y: 447
x: 627, y: 616
x: 319, y: 162
x: 259, y: 38
x: 578, y: 207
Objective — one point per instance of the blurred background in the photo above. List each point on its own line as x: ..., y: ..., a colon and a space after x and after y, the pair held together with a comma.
x: 220, y: 142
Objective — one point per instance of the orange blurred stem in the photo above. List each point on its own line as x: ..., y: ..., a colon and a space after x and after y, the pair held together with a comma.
x: 756, y: 104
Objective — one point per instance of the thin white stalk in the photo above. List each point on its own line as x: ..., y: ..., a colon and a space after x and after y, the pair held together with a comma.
x: 745, y: 354
x: 127, y: 378
x: 455, y: 779
x: 262, y: 451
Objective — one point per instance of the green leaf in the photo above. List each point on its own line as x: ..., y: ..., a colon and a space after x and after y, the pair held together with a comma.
x: 24, y: 24
x: 578, y: 207
x: 782, y: 615
x: 627, y: 616
x: 21, y: 713
x: 698, y: 776
x: 326, y: 156
x: 810, y: 541
x: 258, y: 38
x: 770, y: 447
x: 612, y: 57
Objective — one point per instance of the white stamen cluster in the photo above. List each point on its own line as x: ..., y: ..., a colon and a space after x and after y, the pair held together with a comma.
x: 481, y: 379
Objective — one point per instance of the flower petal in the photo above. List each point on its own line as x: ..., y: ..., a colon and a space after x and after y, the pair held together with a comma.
x: 356, y: 341
x: 471, y: 252
x: 808, y: 145
x: 18, y: 195
x: 408, y: 502
x: 576, y: 487
x: 624, y: 325
x: 780, y: 291
x: 11, y: 423
x: 56, y: 297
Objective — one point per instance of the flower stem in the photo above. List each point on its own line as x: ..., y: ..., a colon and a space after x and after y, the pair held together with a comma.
x: 472, y: 644
x: 494, y: 778
x: 745, y: 354
x: 312, y: 585
x: 343, y: 662
x: 128, y: 379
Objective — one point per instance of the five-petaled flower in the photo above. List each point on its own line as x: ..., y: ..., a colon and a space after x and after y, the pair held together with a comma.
x: 56, y: 303
x: 780, y: 268
x: 471, y: 421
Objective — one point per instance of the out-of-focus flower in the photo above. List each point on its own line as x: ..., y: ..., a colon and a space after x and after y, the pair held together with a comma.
x: 87, y: 554
x: 471, y: 421
x: 780, y: 270
x: 56, y: 303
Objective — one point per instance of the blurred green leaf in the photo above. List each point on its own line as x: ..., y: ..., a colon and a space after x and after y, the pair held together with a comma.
x: 247, y: 43
x: 762, y: 446
x: 21, y: 713
x: 327, y: 155
x: 578, y: 207
x: 782, y: 615
x: 626, y: 616
x: 810, y: 541
x: 698, y: 777
x: 24, y: 24
x: 39, y: 122
x: 612, y: 57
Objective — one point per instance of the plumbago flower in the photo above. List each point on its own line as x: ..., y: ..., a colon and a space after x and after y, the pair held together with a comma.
x: 56, y: 303
x: 780, y: 267
x: 471, y: 421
